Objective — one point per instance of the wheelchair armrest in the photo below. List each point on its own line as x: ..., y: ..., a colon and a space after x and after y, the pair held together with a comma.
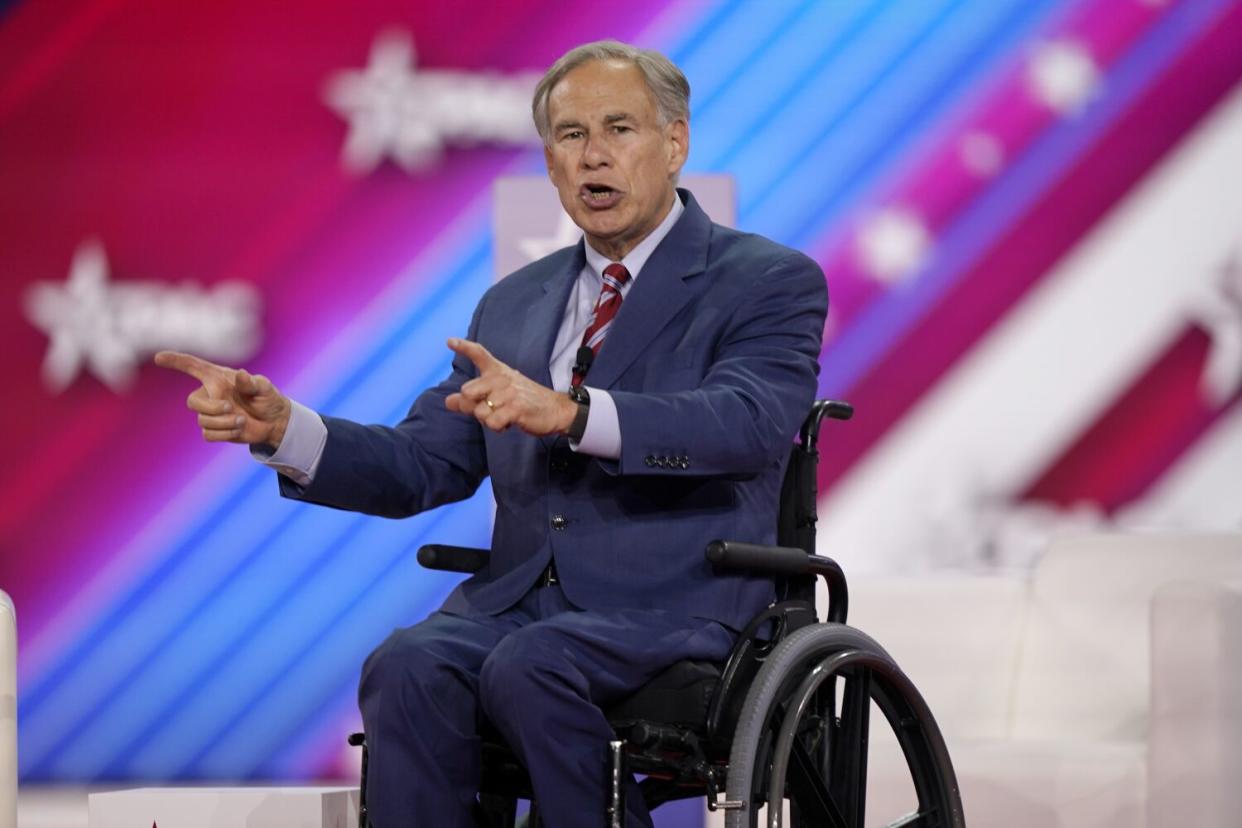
x: 784, y: 560
x: 452, y: 558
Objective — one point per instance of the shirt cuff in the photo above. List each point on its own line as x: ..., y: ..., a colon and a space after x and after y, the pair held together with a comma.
x: 602, y: 437
x: 300, y: 451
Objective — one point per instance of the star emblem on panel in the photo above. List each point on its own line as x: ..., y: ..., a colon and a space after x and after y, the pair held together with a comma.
x: 107, y: 328
x: 398, y: 112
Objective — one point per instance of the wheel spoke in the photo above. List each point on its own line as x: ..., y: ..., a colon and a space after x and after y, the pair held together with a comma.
x: 849, y: 749
x: 807, y: 787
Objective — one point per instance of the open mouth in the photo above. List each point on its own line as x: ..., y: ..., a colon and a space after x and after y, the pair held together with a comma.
x: 599, y: 195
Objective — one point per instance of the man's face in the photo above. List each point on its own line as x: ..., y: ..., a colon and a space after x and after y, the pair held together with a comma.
x: 612, y: 162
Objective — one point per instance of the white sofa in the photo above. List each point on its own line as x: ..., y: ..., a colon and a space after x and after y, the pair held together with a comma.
x: 1102, y: 689
x: 8, y: 713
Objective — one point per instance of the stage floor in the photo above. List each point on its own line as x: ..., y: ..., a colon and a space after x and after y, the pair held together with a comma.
x: 53, y: 807
x: 66, y: 807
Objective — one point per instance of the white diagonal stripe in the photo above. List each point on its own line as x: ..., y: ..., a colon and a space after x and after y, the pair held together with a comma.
x: 1043, y: 375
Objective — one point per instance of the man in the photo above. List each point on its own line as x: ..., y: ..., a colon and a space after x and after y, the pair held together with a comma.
x: 632, y: 398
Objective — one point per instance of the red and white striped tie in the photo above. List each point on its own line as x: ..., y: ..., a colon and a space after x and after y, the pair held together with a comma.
x: 606, y: 307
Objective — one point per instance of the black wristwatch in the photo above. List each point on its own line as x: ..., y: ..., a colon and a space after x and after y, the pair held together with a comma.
x: 577, y: 428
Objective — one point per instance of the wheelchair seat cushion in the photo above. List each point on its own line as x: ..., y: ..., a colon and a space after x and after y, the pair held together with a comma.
x: 680, y: 695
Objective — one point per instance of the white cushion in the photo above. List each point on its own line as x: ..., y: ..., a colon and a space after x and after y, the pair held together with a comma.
x: 1030, y: 785
x: 955, y: 636
x: 1195, y: 758
x: 1084, y: 667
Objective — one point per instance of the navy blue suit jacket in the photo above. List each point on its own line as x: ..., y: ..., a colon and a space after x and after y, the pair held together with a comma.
x: 712, y: 363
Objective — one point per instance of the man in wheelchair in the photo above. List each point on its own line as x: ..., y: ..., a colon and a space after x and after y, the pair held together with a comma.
x: 632, y: 397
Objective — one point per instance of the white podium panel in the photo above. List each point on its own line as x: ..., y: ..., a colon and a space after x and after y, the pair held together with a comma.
x: 528, y: 221
x: 8, y: 713
x: 299, y: 807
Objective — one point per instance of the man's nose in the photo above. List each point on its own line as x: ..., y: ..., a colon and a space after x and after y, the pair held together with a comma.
x: 595, y: 154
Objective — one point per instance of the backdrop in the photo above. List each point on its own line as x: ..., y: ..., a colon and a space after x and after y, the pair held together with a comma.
x: 1028, y: 212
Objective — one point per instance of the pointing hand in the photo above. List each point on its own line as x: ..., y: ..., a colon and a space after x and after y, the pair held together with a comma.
x: 233, y: 405
x: 501, y: 396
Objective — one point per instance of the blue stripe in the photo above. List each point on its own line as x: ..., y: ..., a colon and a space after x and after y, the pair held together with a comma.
x: 122, y: 637
x: 340, y: 554
x: 313, y: 645
x: 784, y: 70
x: 716, y: 52
x: 447, y: 288
x: 857, y: 151
x: 366, y: 548
x: 876, y: 331
x: 845, y: 112
x: 277, y: 710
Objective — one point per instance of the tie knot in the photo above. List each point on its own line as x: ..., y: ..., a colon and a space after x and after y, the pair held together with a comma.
x: 617, y: 272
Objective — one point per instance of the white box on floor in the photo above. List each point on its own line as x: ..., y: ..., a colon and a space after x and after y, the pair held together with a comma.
x: 293, y: 807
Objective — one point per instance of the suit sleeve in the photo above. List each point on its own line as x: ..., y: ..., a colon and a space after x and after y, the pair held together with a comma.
x: 755, y: 393
x: 432, y: 457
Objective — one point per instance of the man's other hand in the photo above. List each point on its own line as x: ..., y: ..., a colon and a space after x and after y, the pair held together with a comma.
x: 232, y: 405
x: 500, y: 397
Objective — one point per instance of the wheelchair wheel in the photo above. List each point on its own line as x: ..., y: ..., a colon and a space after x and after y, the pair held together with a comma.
x: 793, y: 742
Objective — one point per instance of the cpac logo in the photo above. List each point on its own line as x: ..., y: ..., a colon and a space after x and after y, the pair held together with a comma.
x: 395, y: 112
x: 108, y: 328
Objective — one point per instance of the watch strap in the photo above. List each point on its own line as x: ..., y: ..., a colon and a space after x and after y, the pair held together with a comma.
x: 583, y: 400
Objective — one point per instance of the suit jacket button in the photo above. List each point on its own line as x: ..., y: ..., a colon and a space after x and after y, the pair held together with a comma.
x: 558, y: 522
x: 649, y: 460
x: 685, y: 462
x: 662, y: 461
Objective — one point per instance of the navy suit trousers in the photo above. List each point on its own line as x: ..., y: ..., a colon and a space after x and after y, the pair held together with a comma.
x: 540, y: 672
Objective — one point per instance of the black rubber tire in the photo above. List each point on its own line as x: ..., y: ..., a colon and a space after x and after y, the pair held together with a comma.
x: 775, y: 681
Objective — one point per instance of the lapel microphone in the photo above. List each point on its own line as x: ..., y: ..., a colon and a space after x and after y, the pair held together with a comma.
x: 583, y: 360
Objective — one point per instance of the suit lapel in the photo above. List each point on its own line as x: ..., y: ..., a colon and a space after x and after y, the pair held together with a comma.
x: 659, y: 293
x: 542, y: 319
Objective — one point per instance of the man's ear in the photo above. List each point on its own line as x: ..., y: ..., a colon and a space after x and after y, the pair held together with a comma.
x: 677, y: 141
x: 547, y: 159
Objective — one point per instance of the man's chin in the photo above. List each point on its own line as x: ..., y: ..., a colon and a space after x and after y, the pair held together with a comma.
x: 603, y: 227
x: 602, y: 216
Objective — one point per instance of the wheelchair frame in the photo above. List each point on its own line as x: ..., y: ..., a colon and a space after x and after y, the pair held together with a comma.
x: 772, y: 728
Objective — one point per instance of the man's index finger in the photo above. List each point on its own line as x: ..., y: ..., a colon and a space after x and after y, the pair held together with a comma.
x: 200, y: 369
x: 473, y: 351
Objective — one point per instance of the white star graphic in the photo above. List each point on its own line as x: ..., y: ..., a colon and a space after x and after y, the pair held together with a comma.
x: 107, y: 328
x: 1063, y: 75
x: 376, y: 102
x: 1218, y: 310
x: 893, y: 243
x: 79, y: 325
x: 397, y: 112
x: 536, y: 247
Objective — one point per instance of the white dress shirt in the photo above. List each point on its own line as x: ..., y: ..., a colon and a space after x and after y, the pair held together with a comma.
x: 306, y: 435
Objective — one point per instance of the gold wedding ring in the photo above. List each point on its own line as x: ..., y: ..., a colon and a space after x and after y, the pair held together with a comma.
x: 490, y: 404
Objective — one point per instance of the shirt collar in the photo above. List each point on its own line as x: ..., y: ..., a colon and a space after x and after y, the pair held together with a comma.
x: 642, y: 251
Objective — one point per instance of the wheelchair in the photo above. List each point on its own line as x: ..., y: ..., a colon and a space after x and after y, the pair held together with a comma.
x: 786, y: 718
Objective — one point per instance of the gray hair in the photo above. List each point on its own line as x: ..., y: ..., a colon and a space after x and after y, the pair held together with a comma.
x: 668, y: 85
